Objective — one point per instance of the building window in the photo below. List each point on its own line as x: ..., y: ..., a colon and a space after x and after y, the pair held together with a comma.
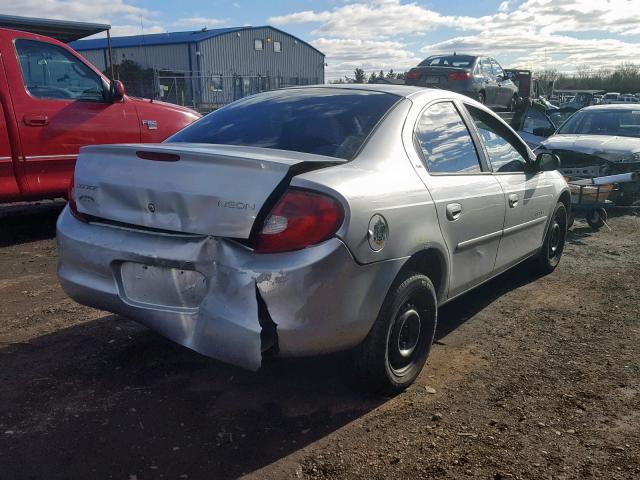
x: 277, y: 47
x: 258, y: 44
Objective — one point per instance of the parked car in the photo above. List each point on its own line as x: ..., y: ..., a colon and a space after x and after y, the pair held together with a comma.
x: 310, y: 220
x: 480, y: 78
x: 610, y: 97
x: 601, y: 140
x: 52, y: 102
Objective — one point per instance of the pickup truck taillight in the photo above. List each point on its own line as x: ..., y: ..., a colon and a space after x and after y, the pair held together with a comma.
x: 300, y: 219
x: 72, y: 203
x: 413, y: 74
x: 459, y: 76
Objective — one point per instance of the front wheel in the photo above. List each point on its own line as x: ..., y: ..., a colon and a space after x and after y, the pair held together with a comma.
x: 549, y: 255
x: 397, y: 347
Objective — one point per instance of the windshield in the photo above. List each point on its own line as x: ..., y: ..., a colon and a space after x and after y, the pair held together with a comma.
x: 461, y: 61
x: 625, y: 123
x: 329, y: 122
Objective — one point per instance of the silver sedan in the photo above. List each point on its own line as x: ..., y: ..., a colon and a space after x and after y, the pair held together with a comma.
x: 311, y: 220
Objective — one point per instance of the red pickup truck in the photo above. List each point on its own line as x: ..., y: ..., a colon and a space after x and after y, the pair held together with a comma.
x: 52, y: 102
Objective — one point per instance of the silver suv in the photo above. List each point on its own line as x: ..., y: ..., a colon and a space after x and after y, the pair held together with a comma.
x: 310, y: 220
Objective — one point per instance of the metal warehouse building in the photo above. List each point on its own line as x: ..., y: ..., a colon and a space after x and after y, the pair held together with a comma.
x: 208, y: 68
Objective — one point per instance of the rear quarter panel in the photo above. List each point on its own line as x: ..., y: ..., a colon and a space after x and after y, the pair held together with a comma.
x: 381, y: 180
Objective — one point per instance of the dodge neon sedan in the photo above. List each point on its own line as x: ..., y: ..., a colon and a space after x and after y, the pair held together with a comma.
x: 311, y: 220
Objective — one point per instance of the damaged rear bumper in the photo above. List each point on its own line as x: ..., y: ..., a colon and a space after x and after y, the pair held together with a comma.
x: 218, y: 297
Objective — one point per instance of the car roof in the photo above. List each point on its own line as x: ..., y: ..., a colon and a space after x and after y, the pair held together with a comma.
x: 405, y: 91
x: 614, y: 106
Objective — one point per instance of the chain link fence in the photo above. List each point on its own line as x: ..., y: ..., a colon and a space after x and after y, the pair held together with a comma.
x: 209, y: 92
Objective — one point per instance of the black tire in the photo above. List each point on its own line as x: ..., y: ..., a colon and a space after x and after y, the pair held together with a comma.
x: 397, y: 347
x: 549, y: 255
x: 513, y: 103
x: 481, y: 97
x: 636, y: 210
x: 570, y: 220
x: 596, y: 218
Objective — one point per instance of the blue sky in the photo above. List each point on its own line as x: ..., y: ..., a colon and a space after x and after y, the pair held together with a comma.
x: 566, y: 35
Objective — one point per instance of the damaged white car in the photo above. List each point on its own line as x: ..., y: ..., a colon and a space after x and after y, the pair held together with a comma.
x: 311, y: 220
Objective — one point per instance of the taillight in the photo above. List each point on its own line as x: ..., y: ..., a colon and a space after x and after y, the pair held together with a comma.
x: 459, y: 76
x: 72, y: 203
x: 413, y: 74
x: 300, y: 219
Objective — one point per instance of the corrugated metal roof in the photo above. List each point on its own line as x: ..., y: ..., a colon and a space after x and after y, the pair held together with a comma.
x: 62, y: 30
x: 167, y: 38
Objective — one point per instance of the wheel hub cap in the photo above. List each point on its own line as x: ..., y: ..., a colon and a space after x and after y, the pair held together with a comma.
x: 555, y: 238
x: 409, y: 332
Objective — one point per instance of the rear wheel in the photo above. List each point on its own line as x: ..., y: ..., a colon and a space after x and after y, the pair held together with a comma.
x: 396, y: 349
x: 549, y: 255
x: 596, y: 218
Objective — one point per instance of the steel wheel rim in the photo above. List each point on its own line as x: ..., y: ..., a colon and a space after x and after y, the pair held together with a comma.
x: 554, y: 241
x: 405, y: 339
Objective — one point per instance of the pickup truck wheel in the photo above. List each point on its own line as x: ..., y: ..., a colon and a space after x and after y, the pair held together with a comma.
x: 549, y: 255
x: 396, y: 349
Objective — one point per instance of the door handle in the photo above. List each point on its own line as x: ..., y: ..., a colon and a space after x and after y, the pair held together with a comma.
x: 453, y: 211
x: 513, y: 200
x: 34, y: 120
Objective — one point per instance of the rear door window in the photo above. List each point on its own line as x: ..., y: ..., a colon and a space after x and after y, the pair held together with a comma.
x: 444, y: 141
x: 506, y: 153
x: 331, y: 122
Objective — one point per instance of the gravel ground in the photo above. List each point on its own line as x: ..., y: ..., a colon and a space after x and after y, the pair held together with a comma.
x: 530, y: 378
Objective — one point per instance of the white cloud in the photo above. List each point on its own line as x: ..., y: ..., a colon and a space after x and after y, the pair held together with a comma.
x: 383, y: 19
x: 531, y: 33
x: 94, y: 10
x: 197, y: 22
x: 345, y: 55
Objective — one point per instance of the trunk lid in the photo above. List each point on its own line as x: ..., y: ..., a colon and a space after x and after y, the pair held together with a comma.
x: 436, y: 77
x: 205, y: 189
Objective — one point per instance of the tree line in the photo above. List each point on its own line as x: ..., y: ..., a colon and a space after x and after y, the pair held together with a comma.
x: 360, y: 76
x: 624, y: 78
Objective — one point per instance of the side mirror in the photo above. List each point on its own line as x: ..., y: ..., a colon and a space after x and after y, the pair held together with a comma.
x: 501, y: 77
x: 543, y: 131
x: 116, y: 91
x: 547, y: 162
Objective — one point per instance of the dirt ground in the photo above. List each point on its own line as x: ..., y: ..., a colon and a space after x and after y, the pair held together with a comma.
x: 530, y: 378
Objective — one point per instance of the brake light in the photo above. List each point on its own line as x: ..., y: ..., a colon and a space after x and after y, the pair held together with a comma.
x: 300, y: 219
x: 413, y: 74
x: 73, y: 206
x: 158, y: 156
x: 459, y: 76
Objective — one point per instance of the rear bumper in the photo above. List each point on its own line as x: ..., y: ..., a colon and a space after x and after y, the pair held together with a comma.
x: 319, y: 298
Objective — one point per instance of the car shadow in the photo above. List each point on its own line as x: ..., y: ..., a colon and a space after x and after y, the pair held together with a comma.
x: 28, y: 222
x: 110, y: 399
x: 455, y: 313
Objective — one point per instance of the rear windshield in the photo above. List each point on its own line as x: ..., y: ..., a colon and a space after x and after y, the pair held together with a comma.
x: 461, y: 61
x: 624, y: 123
x: 327, y: 122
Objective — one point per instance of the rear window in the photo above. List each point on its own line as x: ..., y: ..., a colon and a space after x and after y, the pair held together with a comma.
x: 461, y: 61
x: 327, y: 122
